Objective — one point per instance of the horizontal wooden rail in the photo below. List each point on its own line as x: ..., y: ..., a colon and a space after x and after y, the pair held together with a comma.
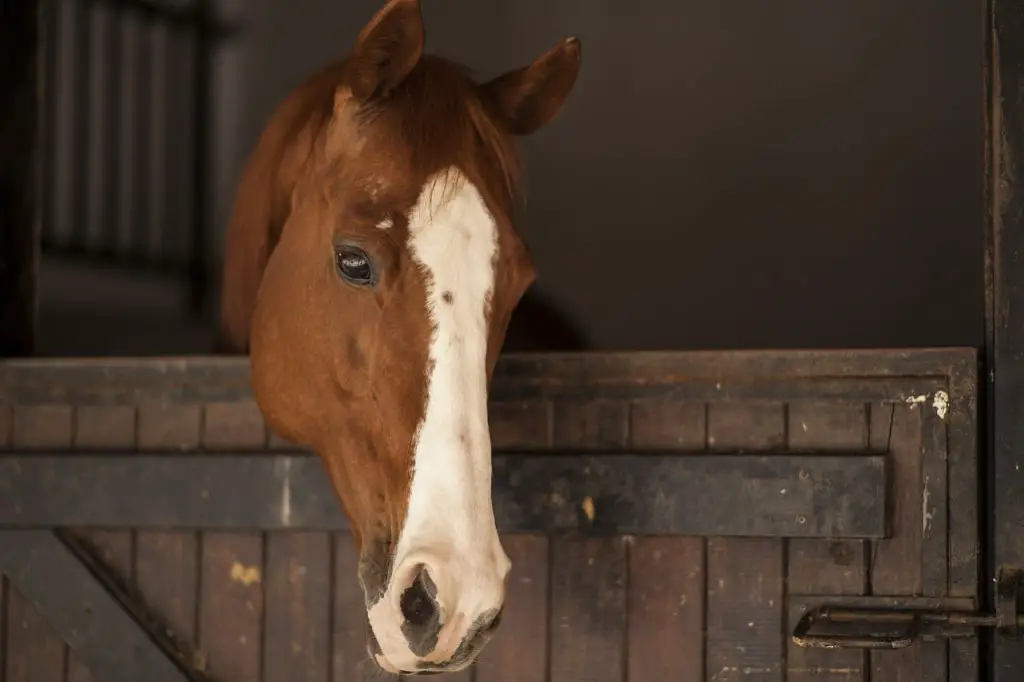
x: 713, y: 494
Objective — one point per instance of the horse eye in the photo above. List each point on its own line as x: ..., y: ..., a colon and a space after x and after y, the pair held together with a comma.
x: 354, y: 265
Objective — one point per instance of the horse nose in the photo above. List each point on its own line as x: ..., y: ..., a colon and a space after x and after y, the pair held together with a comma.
x: 444, y: 605
x: 420, y: 609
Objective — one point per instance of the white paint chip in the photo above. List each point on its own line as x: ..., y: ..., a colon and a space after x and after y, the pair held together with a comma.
x: 941, y: 404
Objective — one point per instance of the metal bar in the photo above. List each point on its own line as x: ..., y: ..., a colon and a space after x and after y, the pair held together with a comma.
x: 114, y: 185
x: 100, y: 622
x: 202, y: 63
x: 81, y: 128
x: 138, y: 242
x: 771, y: 495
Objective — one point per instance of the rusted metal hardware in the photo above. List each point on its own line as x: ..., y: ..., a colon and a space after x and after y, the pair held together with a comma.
x: 897, y: 628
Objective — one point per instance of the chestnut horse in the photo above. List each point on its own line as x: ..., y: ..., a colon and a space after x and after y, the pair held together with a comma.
x: 371, y: 270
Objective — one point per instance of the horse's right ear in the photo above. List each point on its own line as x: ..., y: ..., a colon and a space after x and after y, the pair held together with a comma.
x: 387, y: 49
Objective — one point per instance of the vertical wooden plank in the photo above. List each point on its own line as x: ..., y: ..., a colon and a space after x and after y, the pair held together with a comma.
x: 594, y: 425
x: 666, y: 609
x: 114, y: 548
x: 588, y: 610
x: 104, y: 428
x: 231, y: 604
x: 167, y: 563
x: 167, y: 576
x: 519, y: 650
x: 668, y: 425
x: 965, y: 494
x: 745, y: 598
x: 666, y: 574
x: 232, y: 574
x: 745, y: 595
x: 520, y: 426
x: 43, y: 426
x: 896, y: 560
x: 933, y: 489
x: 835, y: 566
x: 350, y: 661
x: 297, y: 604
x: 746, y: 426
x: 896, y: 564
x: 34, y: 653
x: 170, y: 427
x: 588, y: 577
x: 234, y: 426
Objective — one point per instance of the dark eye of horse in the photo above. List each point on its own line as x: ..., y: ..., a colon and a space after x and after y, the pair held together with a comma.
x: 354, y: 265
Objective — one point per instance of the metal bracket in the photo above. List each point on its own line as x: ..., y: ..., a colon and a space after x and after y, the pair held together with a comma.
x: 897, y: 628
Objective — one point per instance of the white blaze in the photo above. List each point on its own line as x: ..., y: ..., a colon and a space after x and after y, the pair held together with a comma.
x: 450, y: 521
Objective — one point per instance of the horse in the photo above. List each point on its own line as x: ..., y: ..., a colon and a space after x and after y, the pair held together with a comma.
x: 370, y: 272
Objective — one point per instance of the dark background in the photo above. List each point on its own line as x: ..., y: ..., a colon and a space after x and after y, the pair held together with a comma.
x: 739, y: 174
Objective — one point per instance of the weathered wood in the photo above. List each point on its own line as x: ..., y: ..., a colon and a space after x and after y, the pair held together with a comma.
x: 588, y: 610
x: 34, y: 650
x: 114, y: 643
x: 1005, y: 306
x: 21, y: 35
x: 735, y: 375
x: 744, y: 610
x: 745, y: 576
x: 590, y: 424
x: 668, y: 425
x: 167, y: 580
x: 896, y: 561
x: 104, y: 427
x: 667, y: 578
x: 350, y: 661
x: 170, y: 427
x: 297, y: 607
x: 584, y: 412
x: 666, y: 609
x: 113, y: 550
x: 520, y: 426
x: 167, y: 563
x: 231, y: 607
x: 519, y: 650
x: 795, y: 495
x: 233, y: 425
x: 827, y: 566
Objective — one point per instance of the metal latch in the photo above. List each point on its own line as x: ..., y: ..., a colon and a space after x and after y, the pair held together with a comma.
x: 896, y: 628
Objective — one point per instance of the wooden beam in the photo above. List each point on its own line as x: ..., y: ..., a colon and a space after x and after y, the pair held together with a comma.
x: 864, y: 375
x: 97, y: 618
x: 769, y: 495
x: 1005, y: 310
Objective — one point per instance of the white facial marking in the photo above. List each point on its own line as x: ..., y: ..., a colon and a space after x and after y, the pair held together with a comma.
x: 450, y: 525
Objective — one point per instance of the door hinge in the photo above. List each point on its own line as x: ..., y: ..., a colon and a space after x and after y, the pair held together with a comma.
x: 843, y: 627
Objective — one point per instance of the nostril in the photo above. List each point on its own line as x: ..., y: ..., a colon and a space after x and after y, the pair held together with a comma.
x: 418, y: 601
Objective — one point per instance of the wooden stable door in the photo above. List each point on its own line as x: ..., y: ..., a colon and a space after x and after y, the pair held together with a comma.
x: 669, y: 517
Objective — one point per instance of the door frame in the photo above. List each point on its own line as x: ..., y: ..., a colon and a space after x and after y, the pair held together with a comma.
x: 1002, y: 429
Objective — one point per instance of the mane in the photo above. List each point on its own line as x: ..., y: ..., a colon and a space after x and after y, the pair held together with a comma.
x: 438, y: 113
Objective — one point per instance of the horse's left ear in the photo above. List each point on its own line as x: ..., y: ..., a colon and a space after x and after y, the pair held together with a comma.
x: 528, y: 97
x: 387, y: 49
